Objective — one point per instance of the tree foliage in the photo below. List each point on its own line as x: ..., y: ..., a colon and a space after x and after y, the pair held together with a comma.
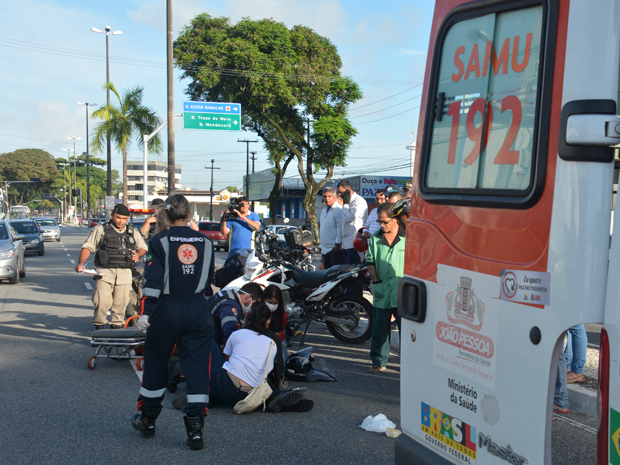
x: 28, y: 165
x: 126, y: 121
x: 282, y: 77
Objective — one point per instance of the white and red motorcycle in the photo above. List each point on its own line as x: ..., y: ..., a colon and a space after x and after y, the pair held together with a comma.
x: 311, y: 296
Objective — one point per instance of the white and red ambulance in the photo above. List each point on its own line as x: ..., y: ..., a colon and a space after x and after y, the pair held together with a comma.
x: 508, y: 239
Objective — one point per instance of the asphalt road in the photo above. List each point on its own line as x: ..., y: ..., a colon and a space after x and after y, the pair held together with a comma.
x: 57, y: 411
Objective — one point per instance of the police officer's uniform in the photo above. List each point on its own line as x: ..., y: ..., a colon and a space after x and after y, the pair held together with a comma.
x: 113, y: 258
x: 180, y: 266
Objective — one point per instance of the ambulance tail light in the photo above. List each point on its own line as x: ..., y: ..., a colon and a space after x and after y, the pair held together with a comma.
x: 602, y: 441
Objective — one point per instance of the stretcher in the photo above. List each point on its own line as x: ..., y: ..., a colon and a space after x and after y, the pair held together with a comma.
x: 118, y: 344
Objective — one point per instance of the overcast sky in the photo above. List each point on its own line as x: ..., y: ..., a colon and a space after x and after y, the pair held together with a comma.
x: 50, y: 59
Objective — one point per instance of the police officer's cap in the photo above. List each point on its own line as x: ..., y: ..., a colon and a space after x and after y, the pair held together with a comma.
x: 120, y: 209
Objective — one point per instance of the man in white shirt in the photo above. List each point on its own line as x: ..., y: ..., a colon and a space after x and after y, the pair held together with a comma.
x: 354, y: 216
x: 371, y: 223
x: 330, y: 233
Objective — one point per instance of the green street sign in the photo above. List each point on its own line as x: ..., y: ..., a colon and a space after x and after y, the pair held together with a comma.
x: 212, y: 121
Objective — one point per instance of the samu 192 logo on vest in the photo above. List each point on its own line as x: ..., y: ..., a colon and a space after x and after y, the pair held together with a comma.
x: 187, y: 254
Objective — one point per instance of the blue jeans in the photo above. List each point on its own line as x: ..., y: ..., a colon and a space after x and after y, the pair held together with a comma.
x: 221, y: 387
x: 561, y: 391
x: 332, y: 258
x: 352, y: 257
x: 576, y: 349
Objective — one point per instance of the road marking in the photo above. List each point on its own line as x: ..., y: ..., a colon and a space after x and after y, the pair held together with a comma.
x: 72, y: 262
x: 88, y: 286
x: 68, y: 255
x: 587, y: 428
x: 134, y: 364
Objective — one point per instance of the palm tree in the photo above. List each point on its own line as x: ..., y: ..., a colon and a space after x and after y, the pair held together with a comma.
x: 130, y: 119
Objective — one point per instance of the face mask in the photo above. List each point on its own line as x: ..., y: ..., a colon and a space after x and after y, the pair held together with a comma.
x: 246, y: 308
x: 272, y: 307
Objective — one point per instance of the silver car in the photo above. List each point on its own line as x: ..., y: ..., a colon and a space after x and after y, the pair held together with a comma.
x: 12, y: 253
x: 49, y: 229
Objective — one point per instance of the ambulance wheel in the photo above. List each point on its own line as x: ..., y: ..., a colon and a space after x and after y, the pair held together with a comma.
x: 92, y: 362
x: 140, y: 364
x: 358, y: 311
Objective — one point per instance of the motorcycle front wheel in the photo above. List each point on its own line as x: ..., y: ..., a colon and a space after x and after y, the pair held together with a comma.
x: 358, y: 311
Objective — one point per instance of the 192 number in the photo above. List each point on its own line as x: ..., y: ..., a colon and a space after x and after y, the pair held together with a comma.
x: 505, y: 156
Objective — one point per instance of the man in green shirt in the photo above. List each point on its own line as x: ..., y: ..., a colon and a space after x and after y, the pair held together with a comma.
x: 386, y: 260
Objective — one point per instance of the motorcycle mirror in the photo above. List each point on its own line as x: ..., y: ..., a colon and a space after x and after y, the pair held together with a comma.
x: 286, y: 220
x: 263, y: 258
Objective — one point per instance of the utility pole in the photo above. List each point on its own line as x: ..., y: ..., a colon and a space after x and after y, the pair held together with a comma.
x: 64, y: 176
x: 246, y: 191
x: 211, y: 197
x: 69, y: 163
x: 170, y: 77
x: 87, y: 158
x: 253, y: 160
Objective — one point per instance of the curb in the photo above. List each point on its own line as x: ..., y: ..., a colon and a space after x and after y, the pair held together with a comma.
x: 582, y: 400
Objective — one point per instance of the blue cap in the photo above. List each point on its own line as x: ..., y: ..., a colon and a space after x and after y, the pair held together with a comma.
x: 389, y: 189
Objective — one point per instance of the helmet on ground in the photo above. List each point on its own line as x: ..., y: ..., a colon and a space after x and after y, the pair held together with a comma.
x: 401, y: 207
x: 360, y: 243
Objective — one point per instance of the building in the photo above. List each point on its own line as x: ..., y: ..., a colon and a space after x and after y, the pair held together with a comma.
x: 157, y: 179
x: 290, y: 202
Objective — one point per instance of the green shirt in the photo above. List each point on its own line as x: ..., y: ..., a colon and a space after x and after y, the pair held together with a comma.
x: 389, y: 263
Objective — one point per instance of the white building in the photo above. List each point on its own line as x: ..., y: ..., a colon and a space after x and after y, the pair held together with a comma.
x: 157, y: 178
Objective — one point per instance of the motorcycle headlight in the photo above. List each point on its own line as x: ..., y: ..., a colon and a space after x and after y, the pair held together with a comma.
x: 6, y: 254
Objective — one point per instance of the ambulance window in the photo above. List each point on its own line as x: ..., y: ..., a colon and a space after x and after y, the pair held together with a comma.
x: 486, y: 86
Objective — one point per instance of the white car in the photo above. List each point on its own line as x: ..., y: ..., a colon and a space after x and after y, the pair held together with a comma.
x: 49, y: 229
x: 279, y: 230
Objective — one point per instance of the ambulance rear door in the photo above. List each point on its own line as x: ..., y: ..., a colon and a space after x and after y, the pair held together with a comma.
x: 508, y: 236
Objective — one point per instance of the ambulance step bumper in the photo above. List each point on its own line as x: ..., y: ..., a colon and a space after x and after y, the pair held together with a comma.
x: 409, y: 451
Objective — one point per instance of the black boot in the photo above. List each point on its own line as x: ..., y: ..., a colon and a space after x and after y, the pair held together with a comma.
x: 145, y: 422
x: 195, y: 427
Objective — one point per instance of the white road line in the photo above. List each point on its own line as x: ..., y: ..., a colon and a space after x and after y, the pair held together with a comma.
x: 88, y: 286
x: 72, y: 262
x: 587, y: 428
x: 134, y: 363
x: 68, y: 255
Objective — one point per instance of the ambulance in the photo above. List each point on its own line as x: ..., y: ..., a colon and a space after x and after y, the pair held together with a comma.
x: 508, y: 239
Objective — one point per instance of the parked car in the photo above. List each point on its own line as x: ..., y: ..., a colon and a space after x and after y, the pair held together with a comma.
x: 49, y: 229
x: 279, y: 230
x: 33, y: 238
x: 211, y: 229
x: 12, y: 253
x: 95, y: 221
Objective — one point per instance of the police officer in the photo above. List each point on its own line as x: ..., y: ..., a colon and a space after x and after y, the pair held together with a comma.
x: 175, y: 310
x: 116, y: 246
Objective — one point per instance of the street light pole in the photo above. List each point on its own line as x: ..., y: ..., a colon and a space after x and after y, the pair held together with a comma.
x: 69, y: 163
x: 211, y: 196
x: 87, y: 158
x: 74, y: 170
x: 170, y: 95
x: 145, y: 140
x: 108, y: 31
x: 64, y: 177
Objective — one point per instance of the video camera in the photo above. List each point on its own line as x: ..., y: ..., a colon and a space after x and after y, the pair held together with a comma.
x: 230, y: 213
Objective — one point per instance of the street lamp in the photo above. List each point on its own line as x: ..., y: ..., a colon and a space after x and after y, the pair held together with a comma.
x: 64, y: 176
x: 145, y: 139
x: 87, y: 157
x: 69, y: 162
x: 74, y: 169
x: 108, y: 31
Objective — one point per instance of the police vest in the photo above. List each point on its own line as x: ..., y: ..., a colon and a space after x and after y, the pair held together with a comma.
x: 116, y: 248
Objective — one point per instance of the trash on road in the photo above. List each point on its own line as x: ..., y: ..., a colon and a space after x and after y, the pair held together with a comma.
x: 392, y: 433
x: 377, y: 424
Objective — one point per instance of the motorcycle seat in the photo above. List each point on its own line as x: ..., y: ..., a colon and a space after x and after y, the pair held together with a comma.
x: 313, y: 279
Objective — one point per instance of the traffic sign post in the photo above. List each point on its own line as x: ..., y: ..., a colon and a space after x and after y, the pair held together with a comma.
x: 109, y: 202
x: 213, y: 116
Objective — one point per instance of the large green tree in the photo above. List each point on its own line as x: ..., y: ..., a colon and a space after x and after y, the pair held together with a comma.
x: 33, y: 165
x: 282, y: 78
x: 123, y: 122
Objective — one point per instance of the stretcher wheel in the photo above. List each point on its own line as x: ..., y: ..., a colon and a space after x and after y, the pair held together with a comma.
x: 92, y: 362
x: 140, y: 364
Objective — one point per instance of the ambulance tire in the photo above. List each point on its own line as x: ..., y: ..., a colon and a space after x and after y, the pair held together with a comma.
x: 356, y: 309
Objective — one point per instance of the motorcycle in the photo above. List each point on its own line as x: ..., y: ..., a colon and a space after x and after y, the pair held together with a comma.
x: 311, y: 296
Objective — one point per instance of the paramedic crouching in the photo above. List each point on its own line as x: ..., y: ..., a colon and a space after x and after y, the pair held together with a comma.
x: 116, y: 246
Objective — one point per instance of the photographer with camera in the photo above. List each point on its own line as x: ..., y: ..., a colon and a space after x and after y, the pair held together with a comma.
x: 240, y: 223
